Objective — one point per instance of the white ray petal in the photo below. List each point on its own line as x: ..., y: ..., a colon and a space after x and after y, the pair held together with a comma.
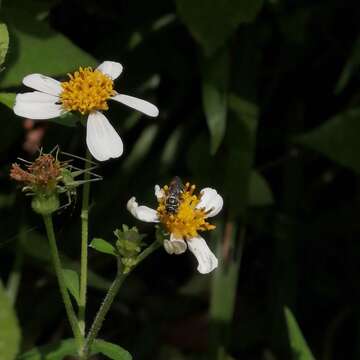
x: 142, y: 212
x: 138, y: 104
x: 111, y: 69
x: 159, y: 193
x: 43, y: 83
x: 211, y: 201
x: 101, y: 138
x: 205, y: 257
x: 176, y: 245
x: 37, y: 105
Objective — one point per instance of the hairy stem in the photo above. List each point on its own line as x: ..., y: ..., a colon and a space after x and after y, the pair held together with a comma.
x: 60, y: 277
x: 84, y: 244
x: 110, y: 296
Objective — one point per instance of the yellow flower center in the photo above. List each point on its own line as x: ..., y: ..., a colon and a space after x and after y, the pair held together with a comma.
x: 187, y: 221
x: 87, y: 90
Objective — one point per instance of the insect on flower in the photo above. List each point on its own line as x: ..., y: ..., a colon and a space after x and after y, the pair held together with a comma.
x: 172, y: 200
x: 183, y: 214
x: 46, y: 178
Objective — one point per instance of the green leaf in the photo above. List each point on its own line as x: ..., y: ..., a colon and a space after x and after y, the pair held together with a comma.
x: 110, y: 350
x: 298, y: 343
x: 350, y: 69
x: 142, y: 147
x: 241, y: 139
x: 37, y: 247
x: 214, y: 95
x: 8, y: 99
x: 260, y: 193
x: 39, y: 49
x: 211, y: 22
x: 9, y: 328
x: 338, y: 139
x: 72, y: 282
x: 4, y: 42
x: 68, y: 347
x: 103, y: 246
x: 56, y: 351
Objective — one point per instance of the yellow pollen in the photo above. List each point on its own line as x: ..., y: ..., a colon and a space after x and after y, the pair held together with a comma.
x: 87, y: 90
x: 188, y: 220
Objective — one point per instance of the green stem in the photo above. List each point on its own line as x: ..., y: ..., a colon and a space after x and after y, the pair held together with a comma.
x: 84, y: 244
x: 60, y: 276
x: 15, y: 275
x: 110, y: 296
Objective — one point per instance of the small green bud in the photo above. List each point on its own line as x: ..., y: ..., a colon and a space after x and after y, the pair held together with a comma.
x: 128, y: 263
x: 128, y: 245
x: 45, y: 204
x: 129, y: 241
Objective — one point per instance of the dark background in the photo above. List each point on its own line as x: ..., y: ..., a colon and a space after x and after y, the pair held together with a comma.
x: 284, y: 75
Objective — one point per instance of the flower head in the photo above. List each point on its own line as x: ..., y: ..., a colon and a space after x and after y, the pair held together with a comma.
x: 87, y: 91
x: 183, y: 221
x: 45, y: 179
x: 40, y: 175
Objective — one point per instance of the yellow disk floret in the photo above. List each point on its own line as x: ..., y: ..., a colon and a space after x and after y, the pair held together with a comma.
x: 87, y: 90
x: 187, y: 221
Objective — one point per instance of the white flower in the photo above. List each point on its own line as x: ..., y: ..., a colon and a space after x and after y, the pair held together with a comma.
x: 185, y: 224
x: 87, y: 91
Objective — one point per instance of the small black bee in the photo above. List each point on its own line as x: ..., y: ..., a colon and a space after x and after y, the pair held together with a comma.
x: 172, y: 200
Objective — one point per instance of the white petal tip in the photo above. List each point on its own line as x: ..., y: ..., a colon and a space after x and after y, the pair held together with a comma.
x: 211, y: 201
x: 159, y: 193
x: 111, y: 68
x: 142, y: 213
x: 207, y: 261
x: 103, y: 141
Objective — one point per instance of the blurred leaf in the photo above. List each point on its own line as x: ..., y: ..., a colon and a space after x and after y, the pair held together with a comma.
x: 211, y: 22
x: 37, y: 247
x: 171, y: 146
x: 224, y: 280
x: 241, y: 139
x: 196, y: 285
x: 351, y: 67
x: 72, y: 282
x: 8, y: 99
x: 37, y: 48
x: 68, y: 347
x: 110, y: 350
x: 224, y: 287
x: 214, y: 95
x: 298, y: 344
x: 337, y: 138
x: 9, y: 328
x: 103, y: 246
x: 260, y: 193
x: 4, y: 42
x: 167, y: 352
x: 7, y: 200
x: 141, y: 148
x: 56, y: 351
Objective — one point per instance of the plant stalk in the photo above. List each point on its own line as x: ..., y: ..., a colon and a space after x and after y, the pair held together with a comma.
x: 84, y: 244
x: 110, y: 296
x: 61, y: 280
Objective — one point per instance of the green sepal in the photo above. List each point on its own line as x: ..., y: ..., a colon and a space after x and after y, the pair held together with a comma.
x: 128, y: 245
x: 45, y: 204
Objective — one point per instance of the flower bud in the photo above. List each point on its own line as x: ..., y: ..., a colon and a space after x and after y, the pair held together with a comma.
x: 45, y: 204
